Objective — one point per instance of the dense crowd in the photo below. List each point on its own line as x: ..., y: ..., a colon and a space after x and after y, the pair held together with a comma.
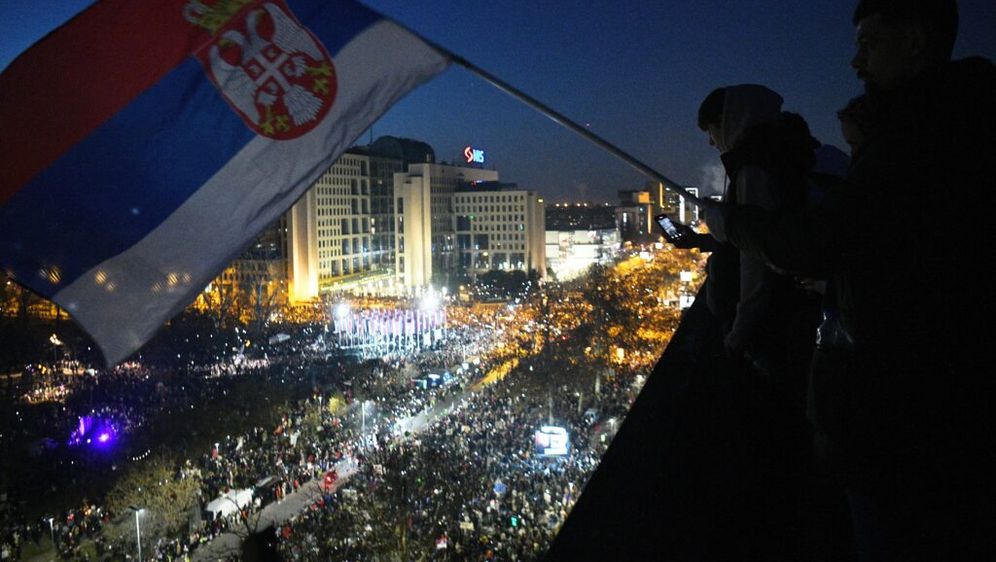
x: 125, y: 397
x: 431, y: 458
x: 470, y: 485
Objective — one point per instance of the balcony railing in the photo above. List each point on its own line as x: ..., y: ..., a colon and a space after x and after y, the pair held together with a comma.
x: 706, y: 467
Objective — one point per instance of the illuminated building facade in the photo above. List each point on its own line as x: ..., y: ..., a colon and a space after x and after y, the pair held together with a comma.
x: 636, y: 210
x: 578, y: 236
x: 634, y: 217
x: 424, y: 220
x: 388, y: 156
x: 675, y: 204
x: 341, y: 232
x: 385, y: 218
x: 330, y: 229
x: 499, y: 227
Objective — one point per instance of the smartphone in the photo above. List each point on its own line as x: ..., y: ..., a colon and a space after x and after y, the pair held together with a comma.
x: 671, y: 232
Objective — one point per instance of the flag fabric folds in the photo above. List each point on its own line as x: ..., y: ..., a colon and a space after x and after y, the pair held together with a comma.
x: 147, y: 143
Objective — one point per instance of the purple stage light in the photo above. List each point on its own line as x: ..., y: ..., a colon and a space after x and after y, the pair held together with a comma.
x: 94, y: 431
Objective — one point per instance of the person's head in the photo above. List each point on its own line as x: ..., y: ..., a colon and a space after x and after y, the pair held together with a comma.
x: 727, y: 113
x: 711, y: 117
x: 897, y: 39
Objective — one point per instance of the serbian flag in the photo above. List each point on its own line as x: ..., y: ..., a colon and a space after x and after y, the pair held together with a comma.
x: 145, y: 144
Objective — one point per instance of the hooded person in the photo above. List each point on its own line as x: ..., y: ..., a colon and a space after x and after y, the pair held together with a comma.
x: 908, y: 413
x: 768, y: 155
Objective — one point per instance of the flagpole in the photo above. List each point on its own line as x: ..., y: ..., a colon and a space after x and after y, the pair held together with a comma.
x: 564, y: 121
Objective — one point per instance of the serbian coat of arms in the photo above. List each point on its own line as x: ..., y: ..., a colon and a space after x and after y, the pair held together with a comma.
x: 271, y: 69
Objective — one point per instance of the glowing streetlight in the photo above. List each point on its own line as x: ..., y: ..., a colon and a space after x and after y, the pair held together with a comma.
x: 430, y: 302
x: 341, y: 310
x: 138, y: 529
x: 51, y: 527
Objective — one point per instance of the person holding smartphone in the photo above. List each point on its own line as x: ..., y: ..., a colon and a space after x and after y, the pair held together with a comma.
x: 768, y: 155
x: 910, y: 413
x: 683, y: 236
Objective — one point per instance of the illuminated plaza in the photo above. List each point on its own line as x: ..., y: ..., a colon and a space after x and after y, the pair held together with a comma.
x: 374, y: 406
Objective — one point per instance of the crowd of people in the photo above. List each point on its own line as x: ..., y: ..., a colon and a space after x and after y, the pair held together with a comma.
x: 471, y: 485
x: 316, y: 432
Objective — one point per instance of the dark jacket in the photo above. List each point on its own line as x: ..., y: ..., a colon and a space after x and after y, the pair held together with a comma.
x: 906, y: 241
x: 767, y: 155
x: 778, y: 336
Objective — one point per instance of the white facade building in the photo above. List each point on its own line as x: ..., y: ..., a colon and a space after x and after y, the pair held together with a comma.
x: 330, y: 228
x: 423, y: 205
x: 570, y: 253
x: 499, y: 227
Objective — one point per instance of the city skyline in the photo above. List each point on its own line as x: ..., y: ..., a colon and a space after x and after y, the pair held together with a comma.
x: 632, y: 71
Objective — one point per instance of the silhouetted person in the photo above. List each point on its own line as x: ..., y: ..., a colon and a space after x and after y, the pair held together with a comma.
x: 768, y: 155
x: 909, y: 410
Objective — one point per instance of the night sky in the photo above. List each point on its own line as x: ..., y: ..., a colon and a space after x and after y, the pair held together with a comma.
x: 634, y: 71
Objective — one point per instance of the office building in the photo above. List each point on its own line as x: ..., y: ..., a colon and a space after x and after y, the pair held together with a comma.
x: 341, y: 232
x: 499, y: 227
x: 579, y: 235
x: 675, y: 204
x: 424, y: 221
x: 634, y: 217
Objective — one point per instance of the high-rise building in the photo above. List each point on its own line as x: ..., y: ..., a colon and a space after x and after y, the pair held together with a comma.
x: 388, y: 156
x: 424, y: 224
x: 634, y: 216
x: 384, y: 217
x: 675, y: 204
x: 636, y: 210
x: 341, y: 232
x: 330, y: 230
x: 499, y: 227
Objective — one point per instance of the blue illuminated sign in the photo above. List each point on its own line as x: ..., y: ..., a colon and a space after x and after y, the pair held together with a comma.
x: 474, y: 155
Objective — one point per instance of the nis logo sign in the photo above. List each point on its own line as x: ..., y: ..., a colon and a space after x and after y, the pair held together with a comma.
x: 473, y: 155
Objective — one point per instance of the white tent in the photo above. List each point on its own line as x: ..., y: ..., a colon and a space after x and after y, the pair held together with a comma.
x: 228, y: 503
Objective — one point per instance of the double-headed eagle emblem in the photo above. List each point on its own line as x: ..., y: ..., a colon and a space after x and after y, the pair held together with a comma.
x: 269, y: 67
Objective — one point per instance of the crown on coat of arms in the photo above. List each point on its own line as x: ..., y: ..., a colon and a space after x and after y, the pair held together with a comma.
x: 213, y: 15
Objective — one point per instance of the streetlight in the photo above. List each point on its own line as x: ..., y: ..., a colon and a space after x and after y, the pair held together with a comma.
x: 138, y: 529
x: 363, y: 418
x: 51, y: 527
x: 56, y: 342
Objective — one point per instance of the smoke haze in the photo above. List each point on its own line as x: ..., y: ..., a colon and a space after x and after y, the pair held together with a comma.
x: 713, y: 180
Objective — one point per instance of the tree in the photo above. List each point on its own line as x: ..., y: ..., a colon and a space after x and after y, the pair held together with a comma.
x: 165, y: 496
x: 221, y: 299
x: 264, y: 300
x: 631, y: 308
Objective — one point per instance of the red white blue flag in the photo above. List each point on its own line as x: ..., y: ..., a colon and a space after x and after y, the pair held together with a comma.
x: 146, y: 143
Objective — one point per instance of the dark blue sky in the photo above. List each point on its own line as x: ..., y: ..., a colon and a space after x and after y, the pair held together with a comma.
x: 635, y: 71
